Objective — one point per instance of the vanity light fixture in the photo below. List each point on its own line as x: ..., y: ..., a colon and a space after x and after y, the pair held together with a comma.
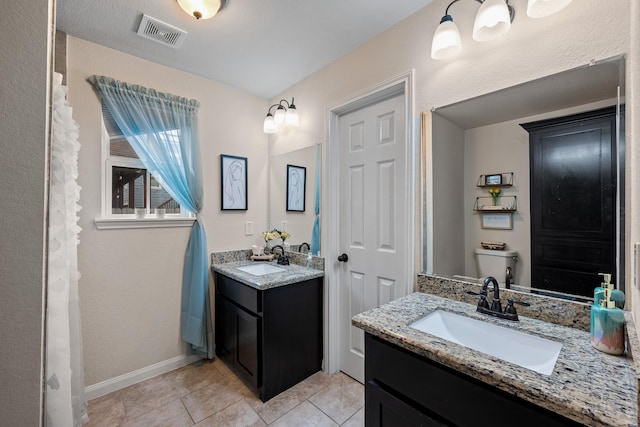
x: 493, y: 20
x: 202, y: 9
x: 285, y: 116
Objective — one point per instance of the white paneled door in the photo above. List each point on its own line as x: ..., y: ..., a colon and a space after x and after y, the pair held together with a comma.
x: 373, y: 205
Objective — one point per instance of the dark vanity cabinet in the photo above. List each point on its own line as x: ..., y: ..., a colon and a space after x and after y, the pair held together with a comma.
x: 405, y: 389
x: 272, y: 337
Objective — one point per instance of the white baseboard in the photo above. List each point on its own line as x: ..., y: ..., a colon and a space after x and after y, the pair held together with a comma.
x: 122, y: 381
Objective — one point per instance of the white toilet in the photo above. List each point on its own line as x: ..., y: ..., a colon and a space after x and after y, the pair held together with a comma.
x: 495, y: 263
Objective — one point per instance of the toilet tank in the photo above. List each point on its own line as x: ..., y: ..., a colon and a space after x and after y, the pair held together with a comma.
x: 494, y: 263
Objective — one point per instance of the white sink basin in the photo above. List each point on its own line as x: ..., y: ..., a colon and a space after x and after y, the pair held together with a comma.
x: 528, y: 351
x: 261, y: 269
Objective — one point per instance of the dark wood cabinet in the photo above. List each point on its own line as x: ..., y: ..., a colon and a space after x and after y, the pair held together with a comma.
x: 238, y: 340
x: 272, y: 337
x: 388, y: 409
x: 574, y: 191
x: 405, y: 389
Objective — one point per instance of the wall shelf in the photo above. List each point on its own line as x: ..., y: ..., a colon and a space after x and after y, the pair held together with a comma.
x: 506, y: 180
x: 485, y: 204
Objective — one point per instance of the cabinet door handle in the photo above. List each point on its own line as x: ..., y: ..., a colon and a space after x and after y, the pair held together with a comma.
x: 343, y: 258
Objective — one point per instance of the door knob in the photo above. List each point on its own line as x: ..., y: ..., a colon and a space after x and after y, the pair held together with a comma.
x: 343, y: 258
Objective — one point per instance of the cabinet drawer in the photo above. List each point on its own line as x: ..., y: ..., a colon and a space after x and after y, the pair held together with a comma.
x: 241, y: 294
x: 450, y: 396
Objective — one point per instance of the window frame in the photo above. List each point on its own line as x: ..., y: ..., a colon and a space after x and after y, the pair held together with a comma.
x: 109, y: 220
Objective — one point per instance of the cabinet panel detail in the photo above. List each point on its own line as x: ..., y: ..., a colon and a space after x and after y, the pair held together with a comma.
x: 272, y: 337
x: 247, y: 343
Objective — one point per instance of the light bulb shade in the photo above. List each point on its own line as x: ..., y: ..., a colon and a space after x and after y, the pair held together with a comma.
x: 269, y: 125
x: 291, y: 117
x: 201, y: 9
x: 492, y: 21
x: 542, y: 8
x: 446, y: 40
x: 278, y: 117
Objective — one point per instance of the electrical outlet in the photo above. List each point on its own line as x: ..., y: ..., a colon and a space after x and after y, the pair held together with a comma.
x: 248, y: 228
x: 283, y: 225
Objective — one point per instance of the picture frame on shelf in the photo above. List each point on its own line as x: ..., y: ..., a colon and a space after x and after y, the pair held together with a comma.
x: 495, y: 179
x: 296, y: 186
x: 497, y: 221
x: 233, y: 180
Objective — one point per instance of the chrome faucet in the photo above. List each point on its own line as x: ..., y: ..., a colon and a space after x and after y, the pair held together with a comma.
x: 282, y: 258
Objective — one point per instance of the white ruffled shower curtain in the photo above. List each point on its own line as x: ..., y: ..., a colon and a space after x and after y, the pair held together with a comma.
x: 64, y: 396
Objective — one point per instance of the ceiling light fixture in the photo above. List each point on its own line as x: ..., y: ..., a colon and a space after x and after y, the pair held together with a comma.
x: 285, y: 116
x: 493, y: 20
x: 202, y: 9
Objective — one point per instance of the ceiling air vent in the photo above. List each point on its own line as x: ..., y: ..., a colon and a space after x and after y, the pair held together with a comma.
x: 161, y: 32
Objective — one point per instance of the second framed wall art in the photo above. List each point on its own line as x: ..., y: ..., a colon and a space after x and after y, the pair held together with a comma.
x: 233, y: 182
x: 296, y: 183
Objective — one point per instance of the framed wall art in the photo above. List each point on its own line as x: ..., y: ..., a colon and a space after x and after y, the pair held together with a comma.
x: 296, y: 184
x: 233, y: 182
x: 495, y: 179
x: 500, y: 221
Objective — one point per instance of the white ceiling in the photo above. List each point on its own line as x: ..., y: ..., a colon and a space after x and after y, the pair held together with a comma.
x: 571, y: 88
x: 259, y: 46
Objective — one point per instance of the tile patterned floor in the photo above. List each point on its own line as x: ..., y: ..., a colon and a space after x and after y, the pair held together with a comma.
x: 208, y: 394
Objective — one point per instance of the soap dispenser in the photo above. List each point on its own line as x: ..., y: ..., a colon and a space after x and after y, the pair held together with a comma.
x: 607, y: 318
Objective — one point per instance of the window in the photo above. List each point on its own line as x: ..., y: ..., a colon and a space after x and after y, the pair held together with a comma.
x: 128, y: 189
x: 128, y: 185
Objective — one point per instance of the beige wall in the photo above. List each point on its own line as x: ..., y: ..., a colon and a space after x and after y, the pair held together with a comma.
x: 448, y: 183
x: 532, y: 49
x: 131, y: 279
x: 491, y: 149
x: 25, y: 58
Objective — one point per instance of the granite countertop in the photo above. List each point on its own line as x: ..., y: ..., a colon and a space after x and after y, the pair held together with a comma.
x: 293, y: 274
x: 586, y: 385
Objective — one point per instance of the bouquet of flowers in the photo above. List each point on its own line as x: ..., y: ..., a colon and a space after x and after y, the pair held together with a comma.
x: 275, y: 234
x: 494, y: 193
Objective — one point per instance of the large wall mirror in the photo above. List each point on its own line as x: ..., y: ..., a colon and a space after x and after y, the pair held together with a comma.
x: 283, y: 183
x: 468, y: 140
